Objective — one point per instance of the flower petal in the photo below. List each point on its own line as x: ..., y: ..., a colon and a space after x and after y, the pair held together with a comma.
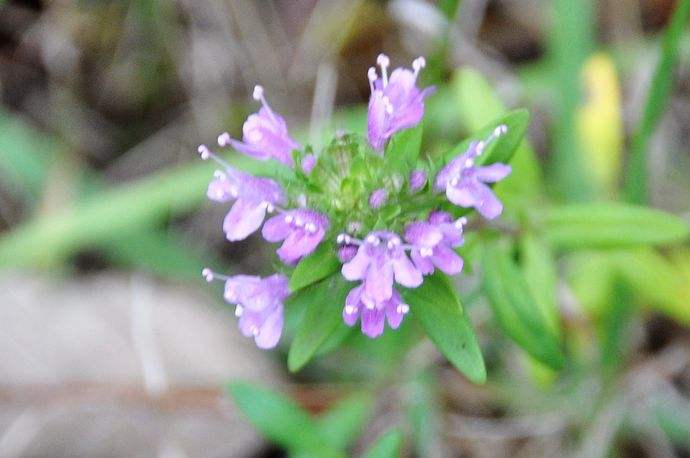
x: 492, y: 173
x: 447, y: 260
x: 423, y: 264
x: 275, y: 229
x: 271, y: 329
x: 405, y: 272
x: 379, y: 281
x: 373, y: 321
x: 488, y: 204
x: 243, y: 219
x: 356, y: 269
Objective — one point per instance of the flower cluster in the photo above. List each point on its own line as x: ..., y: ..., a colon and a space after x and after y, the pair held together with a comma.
x: 340, y: 197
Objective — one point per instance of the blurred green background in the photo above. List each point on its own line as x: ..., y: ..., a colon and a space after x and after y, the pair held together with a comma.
x: 111, y: 346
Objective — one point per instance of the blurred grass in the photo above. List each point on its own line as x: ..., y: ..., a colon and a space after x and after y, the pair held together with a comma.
x: 637, y: 186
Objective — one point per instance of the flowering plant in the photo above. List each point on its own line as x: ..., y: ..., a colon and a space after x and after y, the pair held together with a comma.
x: 372, y: 221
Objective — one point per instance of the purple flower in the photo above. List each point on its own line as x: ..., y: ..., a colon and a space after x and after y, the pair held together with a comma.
x: 379, y: 260
x: 417, y: 180
x: 302, y: 230
x: 396, y: 103
x: 259, y: 304
x: 264, y: 135
x: 253, y: 198
x: 433, y: 243
x: 308, y: 163
x: 373, y: 314
x: 378, y: 198
x: 346, y: 253
x: 465, y: 184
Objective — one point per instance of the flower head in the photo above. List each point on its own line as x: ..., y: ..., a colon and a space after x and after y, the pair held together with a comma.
x: 373, y: 315
x: 417, y: 180
x: 254, y: 196
x: 302, y: 230
x: 380, y: 260
x: 258, y: 304
x: 465, y: 183
x: 378, y: 198
x: 396, y: 103
x: 264, y: 134
x: 433, y: 242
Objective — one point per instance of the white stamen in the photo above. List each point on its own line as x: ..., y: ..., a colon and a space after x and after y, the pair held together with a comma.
x: 258, y: 93
x: 289, y: 219
x: 480, y: 147
x: 254, y: 330
x: 349, y: 309
x: 454, y: 181
x: 500, y: 130
x: 270, y: 207
x: 426, y: 251
x: 299, y: 222
x: 369, y: 305
x: 310, y: 227
x: 239, y: 310
x: 402, y: 308
x: 469, y: 163
x: 204, y: 152
x: 394, y: 242
x: 383, y: 61
x: 207, y: 274
x: 460, y: 222
x: 418, y: 64
x: 224, y: 139
x: 372, y: 240
x: 372, y: 76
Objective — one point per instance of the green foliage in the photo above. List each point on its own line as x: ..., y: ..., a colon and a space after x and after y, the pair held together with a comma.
x: 343, y: 422
x: 317, y: 266
x: 386, y: 446
x: 570, y: 44
x: 280, y: 419
x: 516, y: 310
x: 323, y: 302
x: 657, y: 100
x: 436, y: 307
x: 610, y: 225
x: 403, y: 149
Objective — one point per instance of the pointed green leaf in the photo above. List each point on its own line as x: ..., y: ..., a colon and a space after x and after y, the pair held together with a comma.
x: 611, y: 225
x: 516, y: 310
x: 324, y: 304
x: 343, y: 422
x: 539, y: 269
x: 437, y: 308
x: 386, y: 446
x: 501, y: 149
x: 280, y: 419
x: 403, y: 149
x: 317, y: 266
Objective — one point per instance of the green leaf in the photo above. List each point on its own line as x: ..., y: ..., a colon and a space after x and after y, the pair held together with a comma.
x: 437, y: 308
x: 343, y: 422
x: 539, y: 268
x: 614, y: 329
x: 280, y: 419
x: 423, y: 413
x: 611, y: 225
x: 501, y: 149
x: 479, y: 104
x: 516, y: 310
x: 659, y: 284
x: 570, y: 43
x: 657, y: 100
x: 386, y: 446
x: 317, y: 266
x: 403, y: 149
x: 324, y: 304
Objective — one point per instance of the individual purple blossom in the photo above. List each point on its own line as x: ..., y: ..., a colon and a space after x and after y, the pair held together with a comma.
x: 302, y: 230
x: 264, y: 134
x: 373, y: 315
x: 465, y: 183
x: 396, y: 103
x: 347, y: 252
x: 308, y: 163
x: 259, y: 304
x: 433, y: 242
x: 417, y: 180
x: 380, y: 260
x: 378, y: 198
x: 254, y: 196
